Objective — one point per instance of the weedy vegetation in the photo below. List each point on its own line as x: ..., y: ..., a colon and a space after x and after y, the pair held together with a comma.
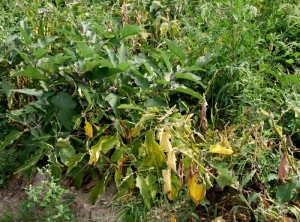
x: 191, y: 107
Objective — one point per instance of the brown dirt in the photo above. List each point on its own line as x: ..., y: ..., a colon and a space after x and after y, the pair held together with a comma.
x: 13, y: 194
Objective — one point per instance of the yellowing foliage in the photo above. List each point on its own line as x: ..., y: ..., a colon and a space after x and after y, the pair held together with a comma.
x: 88, y: 129
x: 196, y: 189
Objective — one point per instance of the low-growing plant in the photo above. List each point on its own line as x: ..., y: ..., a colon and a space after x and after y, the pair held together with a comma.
x: 49, y: 199
x: 8, y: 164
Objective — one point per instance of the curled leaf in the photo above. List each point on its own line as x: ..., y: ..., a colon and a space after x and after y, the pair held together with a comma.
x: 196, y: 189
x: 218, y: 148
x: 165, y: 141
x: 171, y: 162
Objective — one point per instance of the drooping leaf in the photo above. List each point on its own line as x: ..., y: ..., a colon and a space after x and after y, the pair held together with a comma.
x: 191, y: 77
x: 220, y: 149
x: 167, y: 183
x: 171, y: 162
x: 66, y: 151
x: 129, y: 30
x: 105, y: 144
x: 31, y: 72
x: 283, y: 168
x: 165, y: 143
x: 30, y: 162
x: 10, y: 138
x: 196, y: 189
x: 31, y: 92
x: 141, y: 183
x: 189, y: 91
x: 88, y: 129
x: 73, y: 162
x: 99, y: 188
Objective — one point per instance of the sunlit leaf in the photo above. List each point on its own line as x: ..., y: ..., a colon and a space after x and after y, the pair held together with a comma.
x: 31, y: 72
x: 165, y: 143
x: 197, y: 189
x: 130, y: 106
x: 218, y: 148
x: 88, y: 129
x: 66, y: 151
x: 171, y: 162
x: 219, y: 219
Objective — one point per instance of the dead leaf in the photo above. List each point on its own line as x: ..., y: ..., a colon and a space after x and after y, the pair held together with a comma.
x: 173, y: 219
x: 283, y: 168
x: 196, y: 189
x: 90, y: 185
x: 220, y: 149
x: 180, y: 172
x: 218, y: 219
x: 203, y: 120
x: 167, y: 183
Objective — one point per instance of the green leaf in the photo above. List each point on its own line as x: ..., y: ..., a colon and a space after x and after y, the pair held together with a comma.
x: 31, y: 162
x: 99, y: 188
x: 66, y: 151
x: 85, y: 50
x: 114, y: 102
x: 75, y: 160
x: 90, y: 65
x: 32, y: 92
x: 39, y: 53
x: 105, y: 144
x: 10, y: 138
x: 193, y: 68
x: 117, y: 154
x: 130, y: 107
x: 55, y: 171
x: 157, y: 102
x: 177, y: 50
x: 129, y: 30
x: 24, y: 56
x: 204, y: 60
x: 141, y: 183
x: 122, y: 54
x: 31, y: 72
x: 166, y: 60
x: 139, y: 79
x: 44, y: 42
x: 77, y: 173
x: 191, y: 77
x: 186, y: 90
x: 25, y: 32
x: 287, y: 192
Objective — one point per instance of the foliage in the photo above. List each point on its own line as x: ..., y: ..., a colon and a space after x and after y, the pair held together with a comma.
x: 165, y: 98
x: 8, y: 160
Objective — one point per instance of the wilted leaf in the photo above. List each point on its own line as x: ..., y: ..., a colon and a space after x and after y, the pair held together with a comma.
x: 165, y: 143
x: 104, y: 145
x: 196, y: 189
x: 264, y: 112
x: 203, y: 120
x: 283, y: 168
x: 88, y: 129
x: 171, y: 162
x: 219, y: 219
x: 218, y: 148
x: 167, y: 182
x: 141, y: 183
x: 135, y: 132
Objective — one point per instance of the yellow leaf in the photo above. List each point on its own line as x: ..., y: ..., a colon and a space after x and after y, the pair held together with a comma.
x: 218, y: 148
x: 219, y: 219
x: 165, y: 141
x: 297, y: 112
x: 264, y: 112
x: 135, y: 132
x: 171, y: 162
x: 173, y: 219
x: 167, y: 183
x: 196, y: 189
x: 88, y: 129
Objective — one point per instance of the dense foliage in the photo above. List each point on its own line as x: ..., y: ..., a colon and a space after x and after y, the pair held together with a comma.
x: 166, y: 98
